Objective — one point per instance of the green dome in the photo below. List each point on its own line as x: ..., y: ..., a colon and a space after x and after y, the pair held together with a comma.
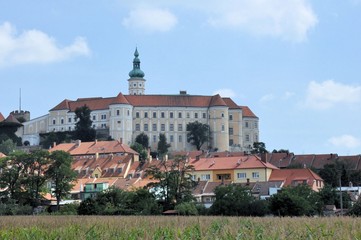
x: 136, y: 72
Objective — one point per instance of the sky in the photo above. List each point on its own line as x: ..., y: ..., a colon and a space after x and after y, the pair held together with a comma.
x: 295, y: 63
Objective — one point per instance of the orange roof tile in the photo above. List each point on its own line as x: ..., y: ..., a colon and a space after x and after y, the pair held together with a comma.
x: 231, y: 104
x: 91, y: 148
x: 2, y: 155
x: 222, y: 163
x: 351, y: 162
x: 303, y: 160
x: 321, y: 160
x: 216, y: 100
x: 290, y: 175
x: 247, y: 112
x: 1, y: 117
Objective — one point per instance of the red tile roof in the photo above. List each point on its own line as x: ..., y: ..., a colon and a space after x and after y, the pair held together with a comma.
x: 91, y: 148
x: 2, y: 155
x: 303, y: 160
x: 1, y: 117
x: 280, y: 160
x: 321, y: 160
x: 351, y: 162
x: 223, y: 163
x: 290, y: 175
x: 247, y: 112
x: 99, y: 103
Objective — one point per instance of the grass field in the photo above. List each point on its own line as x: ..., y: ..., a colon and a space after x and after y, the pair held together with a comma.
x: 173, y: 227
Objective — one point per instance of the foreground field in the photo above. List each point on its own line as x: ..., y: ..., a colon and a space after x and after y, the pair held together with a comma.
x: 101, y: 227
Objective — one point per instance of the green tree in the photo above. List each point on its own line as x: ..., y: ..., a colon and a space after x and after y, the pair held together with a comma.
x: 34, y: 176
x: 163, y: 145
x: 83, y: 127
x: 259, y: 147
x: 296, y: 201
x: 174, y: 182
x: 143, y: 139
x: 198, y: 134
x: 356, y: 209
x: 7, y: 146
x: 232, y: 200
x: 143, y: 153
x: 61, y: 174
x: 186, y: 208
x: 11, y: 176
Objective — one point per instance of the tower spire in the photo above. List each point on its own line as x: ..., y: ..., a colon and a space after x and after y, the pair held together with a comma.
x: 136, y: 80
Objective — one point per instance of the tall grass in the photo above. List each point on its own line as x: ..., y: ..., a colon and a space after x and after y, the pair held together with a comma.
x: 164, y: 227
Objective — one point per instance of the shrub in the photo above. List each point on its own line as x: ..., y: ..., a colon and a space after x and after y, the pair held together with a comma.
x: 186, y: 208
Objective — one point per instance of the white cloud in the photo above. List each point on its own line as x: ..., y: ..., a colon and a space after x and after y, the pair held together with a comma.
x: 287, y: 95
x: 326, y: 94
x: 288, y: 20
x: 151, y: 19
x: 34, y: 46
x: 267, y: 98
x: 346, y: 141
x: 225, y: 92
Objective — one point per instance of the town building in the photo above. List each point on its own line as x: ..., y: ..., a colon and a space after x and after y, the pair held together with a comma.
x: 233, y: 127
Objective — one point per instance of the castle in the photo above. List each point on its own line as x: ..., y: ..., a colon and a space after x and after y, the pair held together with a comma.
x: 233, y: 127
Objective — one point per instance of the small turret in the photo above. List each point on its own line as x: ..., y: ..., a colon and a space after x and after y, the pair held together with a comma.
x: 136, y: 80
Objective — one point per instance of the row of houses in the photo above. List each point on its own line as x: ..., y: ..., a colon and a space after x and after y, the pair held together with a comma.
x: 103, y: 164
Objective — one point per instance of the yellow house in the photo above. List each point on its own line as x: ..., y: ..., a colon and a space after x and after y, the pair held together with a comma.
x: 240, y: 169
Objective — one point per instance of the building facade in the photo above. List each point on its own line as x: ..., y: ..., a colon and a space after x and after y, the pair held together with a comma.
x: 233, y: 127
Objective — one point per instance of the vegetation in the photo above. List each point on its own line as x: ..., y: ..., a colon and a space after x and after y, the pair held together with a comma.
x: 7, y: 146
x: 174, y: 183
x: 259, y: 147
x: 142, y: 139
x: 115, y: 201
x: 61, y: 174
x: 198, y: 134
x: 143, y: 153
x: 235, y: 200
x: 162, y: 145
x: 83, y: 126
x: 149, y: 227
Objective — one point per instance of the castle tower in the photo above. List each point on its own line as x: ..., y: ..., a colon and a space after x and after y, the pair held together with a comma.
x: 136, y: 80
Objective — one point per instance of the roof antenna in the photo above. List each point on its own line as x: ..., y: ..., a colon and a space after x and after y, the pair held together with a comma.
x: 20, y: 100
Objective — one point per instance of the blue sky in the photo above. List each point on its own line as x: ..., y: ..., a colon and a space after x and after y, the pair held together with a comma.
x: 295, y: 63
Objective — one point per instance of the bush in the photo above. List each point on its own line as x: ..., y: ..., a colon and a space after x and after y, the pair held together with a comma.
x: 68, y: 209
x: 186, y: 208
x: 15, y: 209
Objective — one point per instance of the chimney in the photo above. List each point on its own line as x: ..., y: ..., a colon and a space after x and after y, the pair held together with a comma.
x: 182, y: 92
x: 54, y: 144
x: 96, y: 155
x: 96, y: 141
x: 120, y: 141
x: 247, y: 183
x: 166, y: 157
x: 77, y: 143
x: 197, y: 157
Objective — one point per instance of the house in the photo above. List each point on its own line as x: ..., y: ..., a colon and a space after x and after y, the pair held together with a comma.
x: 237, y: 169
x: 233, y: 127
x: 294, y: 177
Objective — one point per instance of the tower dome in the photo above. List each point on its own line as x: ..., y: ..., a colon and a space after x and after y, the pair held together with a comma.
x: 136, y: 71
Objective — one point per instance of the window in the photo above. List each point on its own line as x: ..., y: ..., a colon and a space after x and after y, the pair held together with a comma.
x: 255, y: 125
x: 154, y: 114
x: 54, y: 121
x: 162, y: 127
x: 145, y: 114
x: 231, y: 117
x: 62, y: 121
x: 223, y: 176
x: 171, y: 138
x: 179, y: 114
x: 231, y: 142
x: 69, y: 128
x: 180, y: 138
x: 69, y: 120
x: 146, y: 127
x: 222, y: 115
x: 204, y: 115
x: 154, y: 127
x: 180, y: 127
x: 247, y: 138
x: 162, y: 115
x: 242, y: 175
x: 246, y: 124
x: 256, y: 138
x: 171, y: 115
x: 230, y: 131
x: 222, y: 127
x: 137, y: 127
x: 128, y: 113
x: 205, y: 177
x: 103, y: 116
x: 171, y: 127
x: 118, y: 112
x: 104, y: 125
x: 154, y: 138
x: 188, y: 115
x: 195, y: 115
x: 255, y: 175
x: 94, y: 118
x: 137, y: 114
